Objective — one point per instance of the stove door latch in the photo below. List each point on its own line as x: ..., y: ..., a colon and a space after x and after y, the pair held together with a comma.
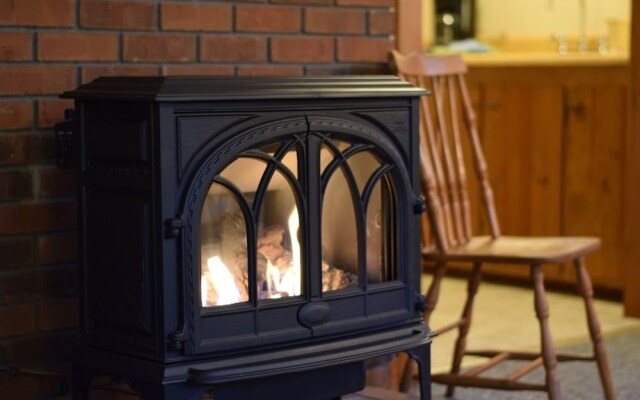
x: 419, y: 205
x: 172, y: 227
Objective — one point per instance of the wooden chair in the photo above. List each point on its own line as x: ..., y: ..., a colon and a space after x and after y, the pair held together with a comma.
x: 444, y: 181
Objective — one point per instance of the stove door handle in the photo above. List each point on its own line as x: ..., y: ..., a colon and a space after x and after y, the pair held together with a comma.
x: 314, y: 314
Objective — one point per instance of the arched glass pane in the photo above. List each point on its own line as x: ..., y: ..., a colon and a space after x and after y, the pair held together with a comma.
x: 279, y: 271
x: 380, y: 229
x: 223, y: 251
x: 245, y: 174
x: 363, y: 165
x: 326, y: 155
x: 289, y: 160
x: 339, y: 236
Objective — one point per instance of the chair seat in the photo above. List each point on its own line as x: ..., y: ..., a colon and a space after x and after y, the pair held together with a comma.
x: 518, y: 249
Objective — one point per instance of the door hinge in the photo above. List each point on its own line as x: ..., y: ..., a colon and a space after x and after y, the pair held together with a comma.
x: 419, y: 205
x: 173, y: 226
x: 176, y: 339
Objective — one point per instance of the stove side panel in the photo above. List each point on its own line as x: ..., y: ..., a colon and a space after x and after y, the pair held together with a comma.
x: 116, y: 217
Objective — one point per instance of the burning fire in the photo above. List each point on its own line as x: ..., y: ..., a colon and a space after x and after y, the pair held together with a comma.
x: 280, y: 280
x: 279, y: 270
x: 223, y: 283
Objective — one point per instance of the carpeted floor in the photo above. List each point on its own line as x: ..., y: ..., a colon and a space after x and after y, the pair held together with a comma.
x: 504, y: 318
x: 579, y: 380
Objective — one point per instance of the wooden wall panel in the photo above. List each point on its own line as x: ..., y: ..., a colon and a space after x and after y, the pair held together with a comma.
x: 559, y: 164
x: 522, y: 138
x: 594, y: 175
x: 631, y: 227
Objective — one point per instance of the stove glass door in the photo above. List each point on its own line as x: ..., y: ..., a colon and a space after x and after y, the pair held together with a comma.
x: 254, y: 196
x: 358, y: 227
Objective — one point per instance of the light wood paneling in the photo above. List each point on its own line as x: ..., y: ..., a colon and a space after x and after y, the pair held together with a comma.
x: 555, y: 141
x: 594, y: 175
x: 522, y: 138
x: 631, y: 207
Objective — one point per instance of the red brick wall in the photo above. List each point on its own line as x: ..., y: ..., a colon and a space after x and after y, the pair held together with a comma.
x: 48, y: 46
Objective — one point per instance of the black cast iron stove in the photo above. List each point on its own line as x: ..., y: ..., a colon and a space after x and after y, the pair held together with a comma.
x: 254, y: 237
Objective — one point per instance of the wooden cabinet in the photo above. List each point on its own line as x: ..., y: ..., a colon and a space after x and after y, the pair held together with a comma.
x: 554, y: 140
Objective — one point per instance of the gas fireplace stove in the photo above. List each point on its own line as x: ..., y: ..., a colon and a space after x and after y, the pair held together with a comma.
x: 257, y: 238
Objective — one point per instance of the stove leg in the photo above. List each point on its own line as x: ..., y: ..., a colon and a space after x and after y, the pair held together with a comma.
x: 81, y: 381
x: 423, y: 359
x: 174, y: 391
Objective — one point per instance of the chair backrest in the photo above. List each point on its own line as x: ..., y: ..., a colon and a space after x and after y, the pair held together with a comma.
x: 443, y: 173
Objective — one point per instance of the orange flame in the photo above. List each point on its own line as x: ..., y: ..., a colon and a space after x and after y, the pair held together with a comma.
x: 223, y: 282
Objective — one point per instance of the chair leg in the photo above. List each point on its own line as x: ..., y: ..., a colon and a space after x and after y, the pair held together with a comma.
x: 463, y: 330
x: 430, y: 304
x: 433, y: 293
x: 586, y: 290
x: 548, y: 351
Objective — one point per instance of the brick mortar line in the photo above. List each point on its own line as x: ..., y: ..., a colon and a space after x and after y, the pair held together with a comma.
x: 25, y: 168
x: 35, y: 181
x: 39, y: 332
x: 322, y: 34
x: 34, y: 46
x: 76, y: 27
x: 148, y: 64
x: 194, y: 32
x: 58, y: 29
x: 247, y: 64
x: 39, y: 200
x: 303, y: 20
x: 62, y: 63
x: 33, y: 335
x: 35, y: 267
x: 363, y: 6
x: 60, y: 265
x: 29, y: 97
x: 268, y: 48
x: 367, y: 22
x: 158, y: 65
x: 346, y: 64
x: 25, y: 132
x: 197, y: 49
x: 34, y: 236
x: 24, y: 302
x: 232, y: 32
x: 18, y: 303
x: 35, y: 116
x: 35, y: 167
x: 77, y: 12
x: 158, y: 21
x: 120, y: 50
x: 234, y: 15
x: 273, y: 6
